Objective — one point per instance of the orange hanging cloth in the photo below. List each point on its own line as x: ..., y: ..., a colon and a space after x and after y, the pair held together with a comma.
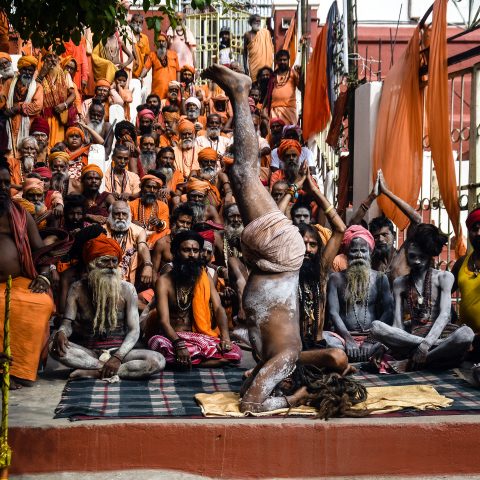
x: 202, y: 321
x: 398, y: 137
x: 290, y: 42
x: 316, y: 108
x: 438, y: 120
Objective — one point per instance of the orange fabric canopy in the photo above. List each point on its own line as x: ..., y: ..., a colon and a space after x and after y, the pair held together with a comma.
x: 398, y: 137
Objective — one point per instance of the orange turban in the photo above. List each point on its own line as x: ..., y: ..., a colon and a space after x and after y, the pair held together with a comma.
x: 186, y: 126
x: 72, y: 130
x: 27, y: 61
x: 171, y: 116
x: 100, y: 247
x: 62, y: 155
x: 92, y: 168
x: 197, y: 185
x: 189, y: 68
x: 207, y: 154
x: 103, y: 83
x: 6, y: 56
x: 153, y: 178
x: 287, y: 144
x: 161, y: 36
x: 65, y: 61
x: 32, y: 184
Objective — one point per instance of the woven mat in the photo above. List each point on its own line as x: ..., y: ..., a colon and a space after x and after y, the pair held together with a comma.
x: 171, y: 393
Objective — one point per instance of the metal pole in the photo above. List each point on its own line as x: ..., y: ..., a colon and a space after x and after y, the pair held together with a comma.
x: 474, y: 170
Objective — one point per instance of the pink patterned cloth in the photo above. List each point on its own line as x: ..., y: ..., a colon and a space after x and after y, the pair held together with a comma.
x: 201, y: 347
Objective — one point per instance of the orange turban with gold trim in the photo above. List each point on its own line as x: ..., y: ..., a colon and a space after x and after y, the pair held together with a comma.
x: 207, y: 154
x: 100, y: 247
x: 287, y: 144
x: 27, y: 61
x: 62, y: 155
x: 92, y: 168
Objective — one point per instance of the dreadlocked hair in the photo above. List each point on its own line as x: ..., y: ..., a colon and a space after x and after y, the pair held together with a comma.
x: 334, y: 394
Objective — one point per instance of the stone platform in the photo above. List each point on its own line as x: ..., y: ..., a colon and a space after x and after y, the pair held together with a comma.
x: 439, y: 446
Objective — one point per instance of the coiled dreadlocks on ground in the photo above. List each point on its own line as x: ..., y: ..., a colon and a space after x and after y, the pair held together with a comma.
x: 333, y: 395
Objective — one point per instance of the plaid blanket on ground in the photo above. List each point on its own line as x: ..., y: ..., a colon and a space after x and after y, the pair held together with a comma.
x: 170, y: 393
x: 167, y: 394
x: 448, y: 383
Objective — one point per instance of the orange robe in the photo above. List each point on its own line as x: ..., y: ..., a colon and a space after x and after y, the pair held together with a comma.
x: 260, y: 52
x: 186, y: 160
x: 141, y: 213
x: 284, y: 102
x: 143, y: 49
x: 79, y: 54
x: 161, y: 76
x: 175, y: 180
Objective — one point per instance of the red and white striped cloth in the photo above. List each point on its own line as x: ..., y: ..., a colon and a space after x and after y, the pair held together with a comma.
x: 201, y: 347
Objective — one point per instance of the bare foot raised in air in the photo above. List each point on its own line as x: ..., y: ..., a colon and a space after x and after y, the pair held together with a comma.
x: 230, y: 81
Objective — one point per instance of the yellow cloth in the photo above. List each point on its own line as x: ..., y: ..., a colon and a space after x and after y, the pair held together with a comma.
x: 260, y: 52
x: 29, y: 317
x: 379, y: 400
x: 101, y: 67
x: 324, y: 233
x: 469, y: 285
x: 392, y: 399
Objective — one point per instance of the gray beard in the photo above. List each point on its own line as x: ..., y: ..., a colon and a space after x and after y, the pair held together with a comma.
x: 213, y: 133
x: 25, y: 80
x: 161, y: 52
x: 192, y: 116
x: 187, y: 144
x: 167, y: 171
x: 358, y: 281
x: 119, y: 225
x: 211, y: 171
x: 233, y: 233
x: 28, y: 163
x: 58, y: 181
x: 198, y: 212
x: 98, y: 127
x: 148, y: 160
x: 7, y: 73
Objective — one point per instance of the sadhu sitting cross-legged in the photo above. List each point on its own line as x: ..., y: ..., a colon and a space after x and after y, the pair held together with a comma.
x: 101, y: 316
x: 183, y: 307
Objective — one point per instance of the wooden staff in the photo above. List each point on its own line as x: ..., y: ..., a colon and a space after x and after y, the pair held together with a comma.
x: 5, y: 452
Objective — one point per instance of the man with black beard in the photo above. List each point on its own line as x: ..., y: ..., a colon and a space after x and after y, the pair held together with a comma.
x: 23, y: 103
x: 40, y: 130
x: 213, y: 137
x: 132, y: 241
x: 146, y: 118
x: 357, y: 297
x: 74, y: 213
x: 429, y: 339
x: 101, y: 317
x: 180, y: 221
x: 183, y: 297
x: 96, y: 121
x: 263, y: 80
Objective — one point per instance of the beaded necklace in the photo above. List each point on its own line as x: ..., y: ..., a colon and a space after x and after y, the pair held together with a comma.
x: 420, y: 308
x: 141, y: 214
x: 184, y: 298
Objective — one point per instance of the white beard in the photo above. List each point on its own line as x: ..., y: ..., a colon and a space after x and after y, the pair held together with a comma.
x: 7, y: 73
x: 233, y: 232
x: 213, y: 132
x: 187, y: 144
x: 98, y: 127
x: 106, y: 291
x: 28, y: 163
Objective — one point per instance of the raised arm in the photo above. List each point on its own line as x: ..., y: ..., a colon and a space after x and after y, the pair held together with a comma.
x: 405, y: 208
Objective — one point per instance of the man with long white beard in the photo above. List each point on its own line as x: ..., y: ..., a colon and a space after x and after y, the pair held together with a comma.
x: 58, y: 162
x: 148, y: 155
x: 357, y: 297
x: 6, y: 67
x: 132, y: 241
x: 186, y: 155
x: 101, y: 317
x: 21, y: 99
x: 141, y: 46
x: 96, y: 122
x: 186, y: 298
x: 25, y: 161
x: 213, y: 137
x: 165, y: 66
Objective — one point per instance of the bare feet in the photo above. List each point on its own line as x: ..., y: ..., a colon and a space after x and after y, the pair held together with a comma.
x: 79, y: 373
x: 231, y: 82
x: 300, y: 397
x: 14, y: 385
